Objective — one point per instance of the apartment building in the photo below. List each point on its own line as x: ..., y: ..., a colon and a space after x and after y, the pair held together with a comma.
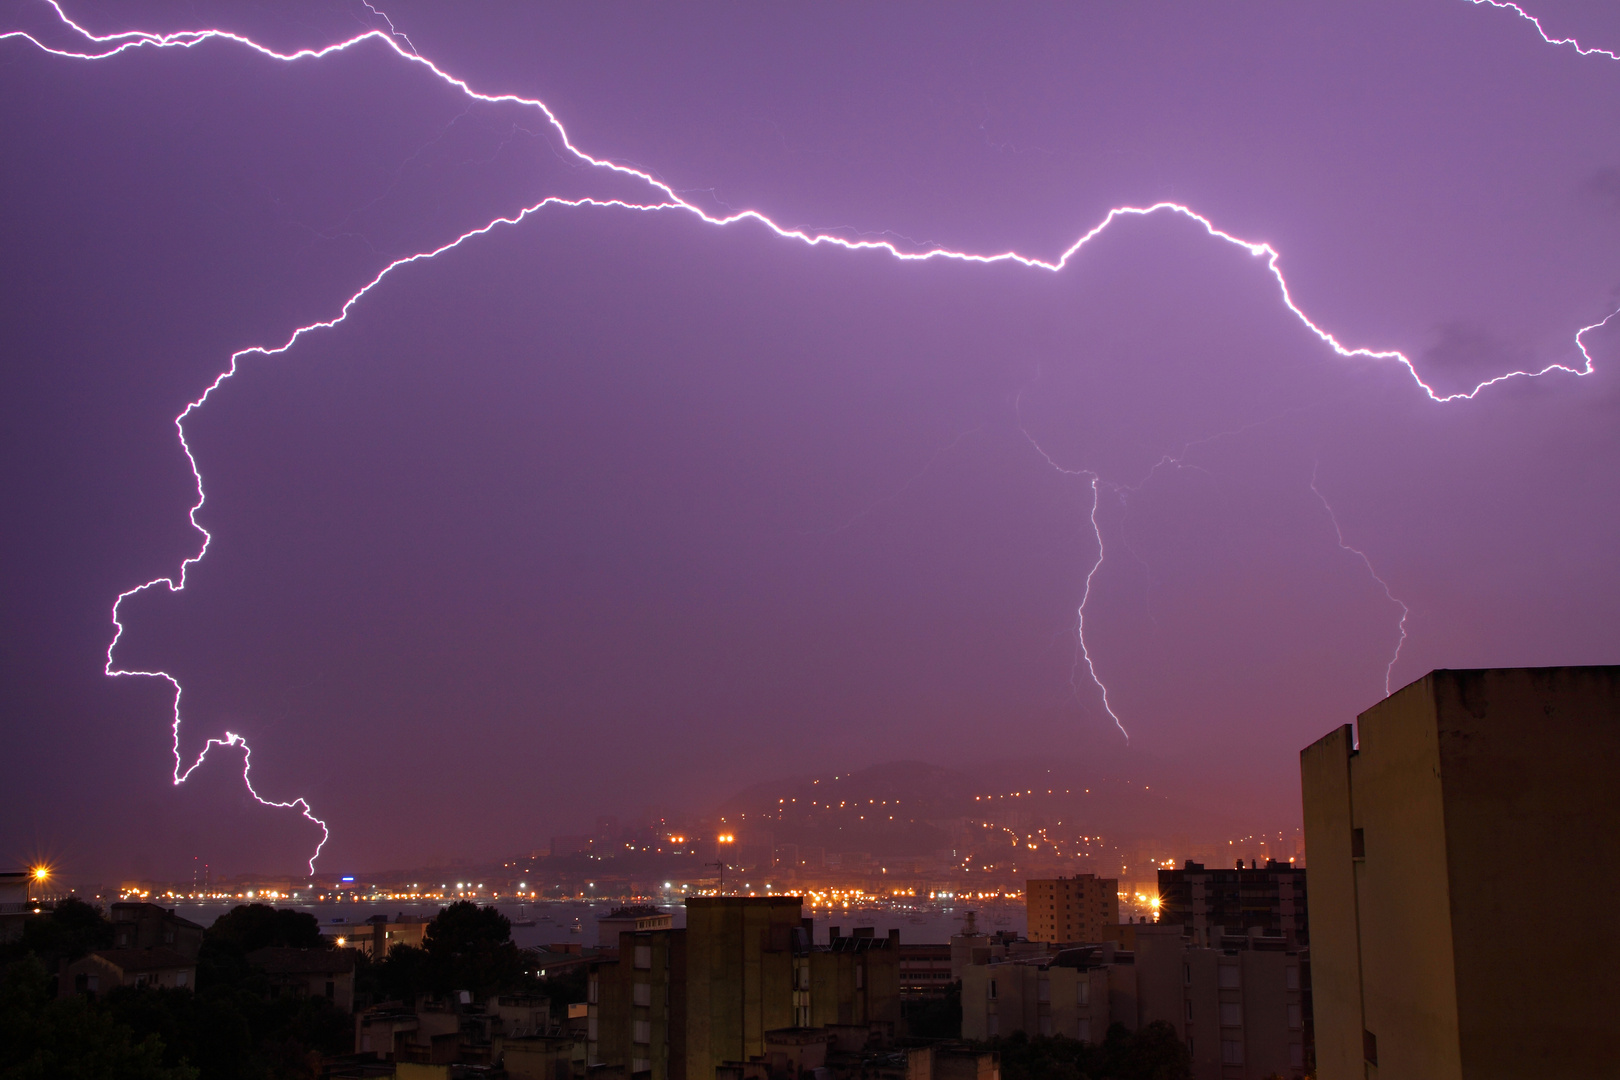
x: 1211, y: 901
x: 1434, y: 831
x: 1079, y: 908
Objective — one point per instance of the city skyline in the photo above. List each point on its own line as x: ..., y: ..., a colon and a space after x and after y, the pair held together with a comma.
x: 629, y: 500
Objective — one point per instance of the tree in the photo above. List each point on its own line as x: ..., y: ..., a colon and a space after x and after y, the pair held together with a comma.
x: 68, y: 931
x: 247, y: 927
x: 464, y: 927
x: 941, y: 1019
x: 402, y: 975
x: 1153, y: 1053
x: 241, y: 930
x: 466, y: 947
x: 208, y: 1030
x: 70, y: 1038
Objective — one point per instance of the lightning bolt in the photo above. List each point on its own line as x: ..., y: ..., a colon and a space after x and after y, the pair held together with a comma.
x: 1505, y: 5
x: 1082, y: 650
x: 1389, y: 670
x: 664, y: 197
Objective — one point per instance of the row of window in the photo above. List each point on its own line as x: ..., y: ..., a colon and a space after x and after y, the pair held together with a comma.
x: 1230, y: 976
x: 1043, y: 991
x: 1232, y: 1015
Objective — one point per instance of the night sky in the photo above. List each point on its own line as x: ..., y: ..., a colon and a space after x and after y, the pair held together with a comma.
x: 621, y: 511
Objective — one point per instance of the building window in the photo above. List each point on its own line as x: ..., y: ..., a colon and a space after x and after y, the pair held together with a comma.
x: 1082, y: 992
x: 1189, y: 1012
x: 1082, y: 1030
x: 641, y: 1031
x: 1358, y: 844
x: 641, y: 994
x: 860, y: 975
x: 1296, y: 1055
x: 331, y: 990
x: 1231, y: 1014
x: 643, y: 957
x: 590, y: 990
x: 640, y: 1065
x: 1046, y: 1024
x: 992, y: 989
x: 1369, y: 1046
x: 180, y: 980
x: 994, y: 1026
x: 1231, y: 1052
x: 1230, y: 979
x: 1293, y: 978
x: 1295, y: 1017
x: 1186, y: 974
x: 1043, y: 990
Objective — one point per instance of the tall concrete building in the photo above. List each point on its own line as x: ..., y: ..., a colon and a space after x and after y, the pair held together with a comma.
x: 677, y: 1004
x: 740, y: 976
x: 1240, y: 1005
x: 853, y: 980
x: 1441, y: 844
x: 636, y: 1007
x: 1079, y: 908
x: 1241, y: 1001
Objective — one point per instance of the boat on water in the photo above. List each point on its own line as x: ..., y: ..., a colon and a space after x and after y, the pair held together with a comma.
x: 523, y: 918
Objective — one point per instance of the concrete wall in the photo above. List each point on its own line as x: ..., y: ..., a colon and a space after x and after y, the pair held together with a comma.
x: 1047, y: 1001
x: 1079, y: 908
x: 648, y: 1000
x: 739, y: 977
x: 1409, y: 990
x: 1528, y: 761
x: 854, y: 987
x: 1475, y: 792
x: 1335, y: 926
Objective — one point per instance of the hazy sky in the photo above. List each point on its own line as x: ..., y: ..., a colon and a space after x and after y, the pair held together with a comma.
x: 617, y: 510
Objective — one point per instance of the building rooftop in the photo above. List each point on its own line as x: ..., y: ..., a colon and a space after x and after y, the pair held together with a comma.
x: 281, y: 961
x: 144, y: 959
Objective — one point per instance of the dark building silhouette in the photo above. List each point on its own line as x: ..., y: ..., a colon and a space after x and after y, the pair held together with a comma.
x: 742, y: 982
x: 148, y: 926
x: 1271, y: 899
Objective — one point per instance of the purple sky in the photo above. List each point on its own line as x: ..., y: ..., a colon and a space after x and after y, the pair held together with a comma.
x: 617, y: 510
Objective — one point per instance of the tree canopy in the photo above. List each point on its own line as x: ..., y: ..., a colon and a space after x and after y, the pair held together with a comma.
x: 46, y: 1038
x: 1152, y: 1053
x: 467, y: 947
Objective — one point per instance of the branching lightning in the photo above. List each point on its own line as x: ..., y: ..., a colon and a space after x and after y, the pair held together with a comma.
x: 1505, y: 5
x: 1083, y: 650
x: 1338, y: 532
x: 663, y: 197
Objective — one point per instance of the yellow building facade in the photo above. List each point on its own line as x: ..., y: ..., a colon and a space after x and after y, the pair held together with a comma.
x: 1439, y: 949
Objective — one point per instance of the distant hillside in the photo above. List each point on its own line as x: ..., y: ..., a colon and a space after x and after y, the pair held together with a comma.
x: 911, y: 808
